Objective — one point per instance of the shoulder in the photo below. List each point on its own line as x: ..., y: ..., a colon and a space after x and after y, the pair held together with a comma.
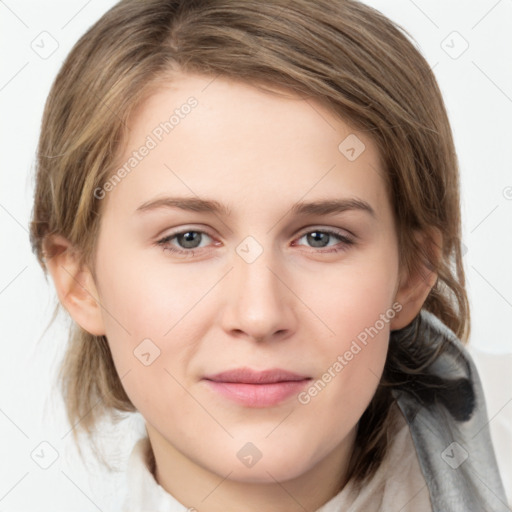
x: 398, y: 483
x: 446, y: 412
x: 405, y: 485
x: 494, y: 371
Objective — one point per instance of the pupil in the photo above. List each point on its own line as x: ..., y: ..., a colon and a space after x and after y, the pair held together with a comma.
x: 188, y: 239
x: 316, y: 236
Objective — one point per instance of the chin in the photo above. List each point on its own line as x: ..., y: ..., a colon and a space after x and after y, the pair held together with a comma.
x: 268, y: 473
x: 251, y: 465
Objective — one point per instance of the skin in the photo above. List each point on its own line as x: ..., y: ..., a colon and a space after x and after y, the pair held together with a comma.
x: 295, y: 307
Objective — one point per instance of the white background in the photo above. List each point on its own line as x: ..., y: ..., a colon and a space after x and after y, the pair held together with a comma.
x: 477, y: 87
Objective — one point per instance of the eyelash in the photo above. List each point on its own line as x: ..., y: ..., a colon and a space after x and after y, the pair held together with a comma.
x: 165, y: 245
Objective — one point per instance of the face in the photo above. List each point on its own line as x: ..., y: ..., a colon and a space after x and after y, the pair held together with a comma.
x: 253, y: 235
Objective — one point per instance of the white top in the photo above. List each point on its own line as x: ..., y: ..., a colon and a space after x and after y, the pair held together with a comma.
x: 398, y: 484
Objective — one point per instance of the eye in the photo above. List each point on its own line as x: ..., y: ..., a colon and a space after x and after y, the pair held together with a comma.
x: 319, y: 238
x: 188, y: 241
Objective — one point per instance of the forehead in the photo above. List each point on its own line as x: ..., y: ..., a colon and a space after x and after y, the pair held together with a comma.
x: 228, y: 140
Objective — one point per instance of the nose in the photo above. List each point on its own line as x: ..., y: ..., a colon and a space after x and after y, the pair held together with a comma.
x: 259, y: 304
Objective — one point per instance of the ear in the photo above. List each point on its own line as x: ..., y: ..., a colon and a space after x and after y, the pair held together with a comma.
x: 414, y: 288
x: 74, y: 284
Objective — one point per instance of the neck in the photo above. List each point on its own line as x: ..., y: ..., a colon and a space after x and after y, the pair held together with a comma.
x: 197, y: 487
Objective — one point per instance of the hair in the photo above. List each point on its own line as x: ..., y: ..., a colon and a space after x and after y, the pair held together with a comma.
x: 346, y: 55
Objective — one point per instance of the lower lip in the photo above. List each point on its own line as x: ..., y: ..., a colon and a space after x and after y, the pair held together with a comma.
x: 258, y: 395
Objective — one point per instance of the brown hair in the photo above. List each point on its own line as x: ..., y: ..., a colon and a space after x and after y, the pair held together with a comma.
x: 350, y: 57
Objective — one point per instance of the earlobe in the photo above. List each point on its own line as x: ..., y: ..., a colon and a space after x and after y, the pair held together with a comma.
x: 414, y: 288
x: 74, y: 284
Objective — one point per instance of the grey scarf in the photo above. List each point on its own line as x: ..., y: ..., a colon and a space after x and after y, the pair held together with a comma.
x: 449, y: 424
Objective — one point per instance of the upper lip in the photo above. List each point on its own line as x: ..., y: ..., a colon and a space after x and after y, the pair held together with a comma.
x: 249, y: 376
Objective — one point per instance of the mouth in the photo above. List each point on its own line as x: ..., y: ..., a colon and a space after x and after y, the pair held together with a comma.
x: 252, y: 388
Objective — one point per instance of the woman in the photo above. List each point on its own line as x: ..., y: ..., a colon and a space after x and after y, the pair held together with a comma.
x: 271, y: 374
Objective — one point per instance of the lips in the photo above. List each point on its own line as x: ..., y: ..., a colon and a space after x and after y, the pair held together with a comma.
x: 252, y: 388
x: 248, y: 376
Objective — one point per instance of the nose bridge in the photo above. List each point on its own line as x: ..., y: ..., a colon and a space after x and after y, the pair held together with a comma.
x: 259, y: 303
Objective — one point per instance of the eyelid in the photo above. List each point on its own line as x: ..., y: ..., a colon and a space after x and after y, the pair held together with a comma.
x: 179, y: 231
x: 327, y: 229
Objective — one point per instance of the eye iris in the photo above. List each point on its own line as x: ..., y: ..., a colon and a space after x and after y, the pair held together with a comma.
x: 188, y: 240
x: 315, y: 238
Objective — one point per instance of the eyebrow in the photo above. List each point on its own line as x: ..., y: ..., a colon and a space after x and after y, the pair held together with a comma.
x: 196, y: 204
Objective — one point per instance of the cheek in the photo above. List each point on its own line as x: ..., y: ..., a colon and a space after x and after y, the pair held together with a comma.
x: 354, y: 296
x: 142, y: 300
x: 151, y: 329
x: 358, y: 308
